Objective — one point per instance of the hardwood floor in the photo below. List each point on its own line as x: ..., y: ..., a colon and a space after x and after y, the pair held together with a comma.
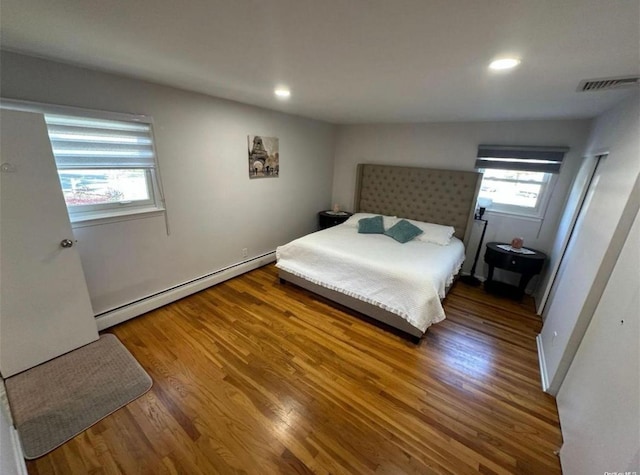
x: 256, y: 377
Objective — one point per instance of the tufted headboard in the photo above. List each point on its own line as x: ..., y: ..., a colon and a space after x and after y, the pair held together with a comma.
x: 425, y: 194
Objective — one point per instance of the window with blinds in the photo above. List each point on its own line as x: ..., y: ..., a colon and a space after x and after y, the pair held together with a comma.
x: 518, y: 180
x: 107, y: 167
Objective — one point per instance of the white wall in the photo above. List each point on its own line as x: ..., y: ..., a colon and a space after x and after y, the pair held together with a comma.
x: 598, y: 238
x: 599, y: 401
x: 454, y: 146
x: 11, y: 456
x: 214, y: 209
x: 11, y: 462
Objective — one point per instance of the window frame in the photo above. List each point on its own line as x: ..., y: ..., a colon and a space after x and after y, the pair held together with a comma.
x: 79, y: 213
x: 544, y: 196
x: 86, y: 215
x: 523, y: 158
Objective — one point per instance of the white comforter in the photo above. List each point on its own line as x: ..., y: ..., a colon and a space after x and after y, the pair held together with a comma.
x: 406, y: 279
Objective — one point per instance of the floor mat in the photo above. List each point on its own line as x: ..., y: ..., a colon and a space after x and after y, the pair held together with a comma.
x: 57, y: 400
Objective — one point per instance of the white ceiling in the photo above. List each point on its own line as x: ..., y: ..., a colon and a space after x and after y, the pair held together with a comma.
x: 350, y: 61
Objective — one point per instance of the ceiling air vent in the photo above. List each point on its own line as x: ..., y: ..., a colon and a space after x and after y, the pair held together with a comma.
x: 608, y: 83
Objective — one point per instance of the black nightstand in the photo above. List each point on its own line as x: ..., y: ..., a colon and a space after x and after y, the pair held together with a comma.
x: 527, y: 265
x: 326, y: 219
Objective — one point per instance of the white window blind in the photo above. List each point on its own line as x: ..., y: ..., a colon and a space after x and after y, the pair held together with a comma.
x: 79, y: 142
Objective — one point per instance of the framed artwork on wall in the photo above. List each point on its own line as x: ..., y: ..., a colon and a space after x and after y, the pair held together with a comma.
x: 264, y: 157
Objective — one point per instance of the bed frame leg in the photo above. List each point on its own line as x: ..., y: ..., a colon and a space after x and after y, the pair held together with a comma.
x: 282, y: 281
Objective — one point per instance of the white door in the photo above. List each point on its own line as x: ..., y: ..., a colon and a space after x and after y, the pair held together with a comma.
x: 45, y: 309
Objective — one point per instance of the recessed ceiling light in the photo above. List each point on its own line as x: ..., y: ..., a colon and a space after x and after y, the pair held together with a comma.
x: 282, y: 93
x: 506, y: 63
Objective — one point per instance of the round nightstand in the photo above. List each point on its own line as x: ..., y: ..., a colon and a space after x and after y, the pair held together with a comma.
x: 527, y: 265
x: 328, y: 218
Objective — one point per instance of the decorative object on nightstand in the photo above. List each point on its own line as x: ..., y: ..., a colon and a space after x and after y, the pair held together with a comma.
x: 329, y: 218
x: 483, y: 204
x: 526, y: 262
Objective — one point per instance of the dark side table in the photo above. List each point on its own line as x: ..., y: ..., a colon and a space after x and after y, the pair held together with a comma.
x: 328, y: 218
x: 527, y: 265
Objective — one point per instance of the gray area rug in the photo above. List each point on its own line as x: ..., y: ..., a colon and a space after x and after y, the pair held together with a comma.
x: 55, y: 401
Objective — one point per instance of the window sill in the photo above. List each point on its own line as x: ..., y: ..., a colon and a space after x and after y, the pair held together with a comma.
x: 106, y: 217
x: 508, y: 214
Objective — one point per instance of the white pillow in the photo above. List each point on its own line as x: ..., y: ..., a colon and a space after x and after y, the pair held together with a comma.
x: 434, y: 233
x: 387, y: 221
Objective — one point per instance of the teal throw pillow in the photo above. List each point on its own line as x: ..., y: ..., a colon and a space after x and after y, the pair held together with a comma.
x: 403, y: 231
x: 371, y: 225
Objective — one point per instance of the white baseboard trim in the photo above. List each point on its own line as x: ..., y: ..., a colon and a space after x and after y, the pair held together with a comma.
x: 127, y: 312
x: 544, y: 377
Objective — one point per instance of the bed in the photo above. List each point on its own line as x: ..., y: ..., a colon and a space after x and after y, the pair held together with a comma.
x: 400, y: 285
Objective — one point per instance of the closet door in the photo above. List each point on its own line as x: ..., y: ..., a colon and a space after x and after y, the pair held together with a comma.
x: 577, y: 203
x: 45, y: 309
